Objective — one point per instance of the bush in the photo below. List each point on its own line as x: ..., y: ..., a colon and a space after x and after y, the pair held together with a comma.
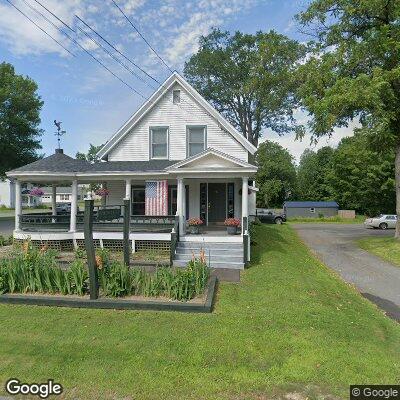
x: 117, y: 280
x: 35, y: 270
x: 32, y: 270
x: 6, y: 241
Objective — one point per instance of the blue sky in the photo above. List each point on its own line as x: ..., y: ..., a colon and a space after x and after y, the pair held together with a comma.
x: 90, y: 102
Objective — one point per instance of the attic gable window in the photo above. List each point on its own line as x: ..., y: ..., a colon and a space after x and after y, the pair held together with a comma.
x: 159, y: 142
x: 176, y: 96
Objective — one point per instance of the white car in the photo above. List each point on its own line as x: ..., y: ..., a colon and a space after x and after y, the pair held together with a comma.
x: 383, y: 221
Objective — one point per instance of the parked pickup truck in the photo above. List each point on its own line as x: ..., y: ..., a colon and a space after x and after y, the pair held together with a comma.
x: 269, y: 217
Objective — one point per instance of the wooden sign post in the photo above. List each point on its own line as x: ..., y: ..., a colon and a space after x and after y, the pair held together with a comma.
x: 127, y: 223
x: 90, y: 251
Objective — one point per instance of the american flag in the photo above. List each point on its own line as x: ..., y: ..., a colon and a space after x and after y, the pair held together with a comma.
x: 157, y: 198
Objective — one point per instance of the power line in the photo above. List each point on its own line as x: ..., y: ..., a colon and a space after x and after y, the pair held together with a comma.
x: 112, y: 55
x: 54, y: 15
x: 81, y: 47
x: 137, y: 30
x: 37, y: 26
x: 114, y: 47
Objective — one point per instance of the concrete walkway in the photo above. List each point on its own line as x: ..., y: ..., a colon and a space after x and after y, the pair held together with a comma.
x: 334, y: 245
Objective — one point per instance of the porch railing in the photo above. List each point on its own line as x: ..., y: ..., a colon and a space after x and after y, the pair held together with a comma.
x: 107, y: 218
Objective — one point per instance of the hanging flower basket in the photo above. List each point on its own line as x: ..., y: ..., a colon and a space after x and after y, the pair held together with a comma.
x: 102, y: 192
x: 232, y: 225
x: 37, y: 192
x: 194, y: 224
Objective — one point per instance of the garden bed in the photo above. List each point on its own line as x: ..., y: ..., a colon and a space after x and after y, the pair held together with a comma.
x: 29, y: 275
x: 201, y: 304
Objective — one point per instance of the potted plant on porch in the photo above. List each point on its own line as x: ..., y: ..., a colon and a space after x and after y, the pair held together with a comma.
x: 232, y: 225
x: 194, y: 224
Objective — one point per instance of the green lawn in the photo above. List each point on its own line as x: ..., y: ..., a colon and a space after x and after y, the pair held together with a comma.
x: 359, y: 219
x: 291, y: 325
x: 387, y: 248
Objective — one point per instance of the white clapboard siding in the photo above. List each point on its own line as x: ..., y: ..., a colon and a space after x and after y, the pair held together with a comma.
x: 117, y: 192
x: 135, y: 145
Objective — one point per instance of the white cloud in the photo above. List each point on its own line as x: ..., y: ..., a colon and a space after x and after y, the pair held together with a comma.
x: 22, y: 37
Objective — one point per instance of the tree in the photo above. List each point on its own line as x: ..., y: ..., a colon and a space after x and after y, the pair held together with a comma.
x: 20, y: 107
x: 91, y: 155
x: 276, y: 175
x: 312, y: 175
x: 354, y: 72
x: 248, y: 78
x: 362, y: 179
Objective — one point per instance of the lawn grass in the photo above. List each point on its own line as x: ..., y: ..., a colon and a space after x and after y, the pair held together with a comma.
x: 359, y: 219
x: 291, y: 325
x: 387, y: 248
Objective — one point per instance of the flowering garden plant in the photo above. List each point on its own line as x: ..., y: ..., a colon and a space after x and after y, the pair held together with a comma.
x: 103, y: 192
x: 195, y: 222
x: 232, y: 222
x: 36, y: 192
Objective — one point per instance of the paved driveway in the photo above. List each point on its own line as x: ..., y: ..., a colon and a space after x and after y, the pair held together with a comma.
x: 377, y: 280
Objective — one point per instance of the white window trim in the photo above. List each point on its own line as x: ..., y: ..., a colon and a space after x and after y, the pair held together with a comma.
x: 151, y: 142
x: 187, y: 138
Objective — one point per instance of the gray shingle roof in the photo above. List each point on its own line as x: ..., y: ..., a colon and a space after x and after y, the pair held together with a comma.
x: 132, y: 166
x: 306, y: 204
x: 62, y: 163
x: 57, y: 162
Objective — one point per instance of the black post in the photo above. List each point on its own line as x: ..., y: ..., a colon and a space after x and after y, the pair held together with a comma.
x: 127, y: 220
x: 90, y: 252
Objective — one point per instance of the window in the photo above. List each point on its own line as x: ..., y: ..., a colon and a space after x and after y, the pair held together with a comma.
x: 312, y: 210
x: 196, y: 140
x: 159, y: 142
x: 391, y: 217
x: 176, y: 96
x: 64, y: 197
x: 138, y: 200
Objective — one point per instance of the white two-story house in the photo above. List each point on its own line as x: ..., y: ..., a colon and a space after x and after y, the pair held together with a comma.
x: 176, y: 158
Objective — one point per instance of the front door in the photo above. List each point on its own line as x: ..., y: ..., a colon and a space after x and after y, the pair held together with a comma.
x: 216, y: 202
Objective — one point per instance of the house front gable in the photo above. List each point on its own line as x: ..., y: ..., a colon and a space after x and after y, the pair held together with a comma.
x: 134, y: 140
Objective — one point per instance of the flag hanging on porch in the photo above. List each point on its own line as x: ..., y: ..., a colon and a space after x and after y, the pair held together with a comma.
x: 157, y: 197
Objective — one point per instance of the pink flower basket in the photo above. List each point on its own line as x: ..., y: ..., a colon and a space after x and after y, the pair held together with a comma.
x: 37, y: 192
x: 232, y: 225
x: 194, y: 224
x: 103, y: 192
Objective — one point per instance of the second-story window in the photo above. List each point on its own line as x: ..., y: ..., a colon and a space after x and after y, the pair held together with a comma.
x: 159, y: 142
x: 196, y: 140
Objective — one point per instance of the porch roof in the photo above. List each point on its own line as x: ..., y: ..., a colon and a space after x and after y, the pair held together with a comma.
x: 63, y: 167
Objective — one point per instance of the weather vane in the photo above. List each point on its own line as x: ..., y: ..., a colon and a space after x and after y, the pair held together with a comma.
x: 59, y: 132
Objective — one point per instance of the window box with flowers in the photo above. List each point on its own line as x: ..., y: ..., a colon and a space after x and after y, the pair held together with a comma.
x: 194, y: 225
x: 231, y: 225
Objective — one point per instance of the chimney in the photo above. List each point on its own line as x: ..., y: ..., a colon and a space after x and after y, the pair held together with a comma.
x: 59, y: 151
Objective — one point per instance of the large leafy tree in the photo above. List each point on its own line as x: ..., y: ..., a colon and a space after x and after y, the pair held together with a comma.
x: 354, y: 72
x: 91, y: 155
x: 361, y: 178
x: 276, y: 176
x: 20, y: 107
x: 248, y: 78
x: 312, y: 175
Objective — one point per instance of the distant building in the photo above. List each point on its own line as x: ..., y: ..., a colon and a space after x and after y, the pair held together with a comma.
x: 7, y: 194
x: 310, y: 208
x: 64, y: 194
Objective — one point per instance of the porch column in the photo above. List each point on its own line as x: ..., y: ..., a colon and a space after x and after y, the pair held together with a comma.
x: 104, y: 198
x: 54, y: 199
x: 74, y: 205
x: 128, y: 189
x: 18, y: 203
x: 180, y: 205
x: 245, y: 199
